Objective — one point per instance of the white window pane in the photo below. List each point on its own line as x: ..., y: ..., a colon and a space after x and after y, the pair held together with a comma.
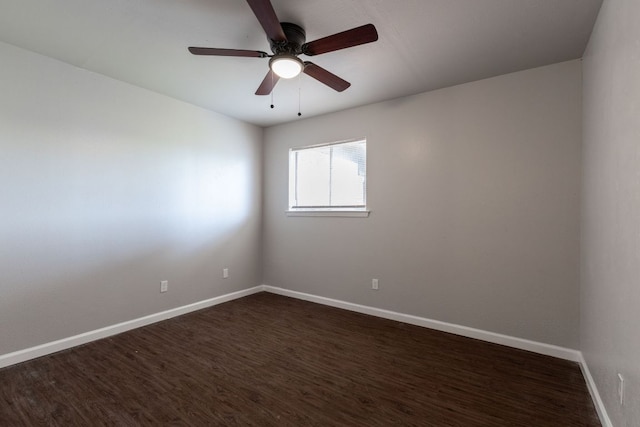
x: 313, y: 177
x: 329, y: 176
x: 347, y: 174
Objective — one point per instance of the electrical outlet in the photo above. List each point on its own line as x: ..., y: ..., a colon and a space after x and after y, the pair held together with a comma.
x: 164, y: 286
x: 620, y: 389
x: 374, y: 284
x: 225, y: 273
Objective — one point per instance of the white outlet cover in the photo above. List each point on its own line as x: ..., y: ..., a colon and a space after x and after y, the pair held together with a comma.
x: 164, y: 286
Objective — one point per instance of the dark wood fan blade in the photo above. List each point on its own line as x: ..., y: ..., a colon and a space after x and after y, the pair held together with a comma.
x: 324, y: 76
x: 353, y: 37
x: 227, y: 52
x: 268, y: 83
x: 268, y: 19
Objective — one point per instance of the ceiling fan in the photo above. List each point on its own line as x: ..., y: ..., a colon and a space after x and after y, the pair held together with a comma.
x: 288, y: 41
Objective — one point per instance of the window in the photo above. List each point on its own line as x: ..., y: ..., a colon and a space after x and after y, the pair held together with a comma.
x: 328, y: 178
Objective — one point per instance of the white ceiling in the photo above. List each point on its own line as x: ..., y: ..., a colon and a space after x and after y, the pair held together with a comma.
x: 423, y: 45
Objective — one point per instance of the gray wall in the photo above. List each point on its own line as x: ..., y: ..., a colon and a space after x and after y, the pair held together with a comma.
x: 107, y: 189
x: 610, y: 282
x: 474, y: 193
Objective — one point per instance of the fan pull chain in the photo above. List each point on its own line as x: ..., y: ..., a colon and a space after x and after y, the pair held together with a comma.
x: 299, y: 93
x: 271, y: 73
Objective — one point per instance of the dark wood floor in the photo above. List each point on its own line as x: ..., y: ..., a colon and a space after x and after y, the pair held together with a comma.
x: 267, y: 360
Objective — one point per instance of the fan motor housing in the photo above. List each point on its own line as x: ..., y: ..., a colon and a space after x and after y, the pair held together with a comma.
x: 296, y: 37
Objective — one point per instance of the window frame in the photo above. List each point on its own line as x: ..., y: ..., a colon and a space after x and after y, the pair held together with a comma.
x: 338, y: 211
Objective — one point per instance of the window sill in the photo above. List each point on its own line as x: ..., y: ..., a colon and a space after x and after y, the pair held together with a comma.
x: 336, y: 213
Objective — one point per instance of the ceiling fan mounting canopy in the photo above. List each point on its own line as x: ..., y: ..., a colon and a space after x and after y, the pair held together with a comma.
x: 287, y: 42
x: 295, y: 39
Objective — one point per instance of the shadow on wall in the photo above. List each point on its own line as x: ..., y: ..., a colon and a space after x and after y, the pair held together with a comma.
x: 82, y: 249
x: 106, y: 189
x: 53, y: 291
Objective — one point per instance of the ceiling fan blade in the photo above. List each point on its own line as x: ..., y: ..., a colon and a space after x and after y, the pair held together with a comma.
x: 227, y: 52
x: 324, y: 76
x: 268, y: 19
x: 268, y: 83
x: 353, y: 37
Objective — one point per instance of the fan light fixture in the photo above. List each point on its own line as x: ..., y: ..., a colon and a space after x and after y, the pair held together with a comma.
x: 286, y: 66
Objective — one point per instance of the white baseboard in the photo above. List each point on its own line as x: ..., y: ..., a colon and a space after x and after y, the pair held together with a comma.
x: 65, y: 343
x: 523, y: 344
x: 533, y: 346
x: 595, y: 395
x: 536, y: 347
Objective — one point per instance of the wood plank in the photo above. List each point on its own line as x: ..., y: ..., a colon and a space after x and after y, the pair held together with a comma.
x: 267, y: 360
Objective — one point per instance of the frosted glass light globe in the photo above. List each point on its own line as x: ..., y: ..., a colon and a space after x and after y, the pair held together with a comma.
x: 286, y: 66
